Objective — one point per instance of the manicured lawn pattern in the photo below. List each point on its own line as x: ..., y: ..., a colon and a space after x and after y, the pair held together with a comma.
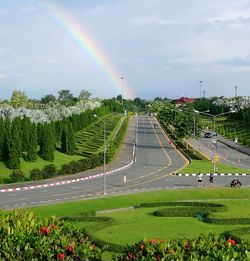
x: 89, y: 141
x: 128, y: 226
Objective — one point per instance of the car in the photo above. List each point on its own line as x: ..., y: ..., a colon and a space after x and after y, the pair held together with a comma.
x: 209, y: 134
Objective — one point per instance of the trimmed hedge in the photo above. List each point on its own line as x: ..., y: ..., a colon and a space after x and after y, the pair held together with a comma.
x: 184, y: 212
x: 227, y: 221
x: 101, y: 222
x: 180, y: 203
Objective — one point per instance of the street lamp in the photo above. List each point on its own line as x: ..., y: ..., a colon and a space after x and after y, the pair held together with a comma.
x: 214, y: 118
x: 200, y: 89
x: 104, y: 153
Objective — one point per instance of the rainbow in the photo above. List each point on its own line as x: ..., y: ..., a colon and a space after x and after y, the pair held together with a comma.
x: 87, y: 43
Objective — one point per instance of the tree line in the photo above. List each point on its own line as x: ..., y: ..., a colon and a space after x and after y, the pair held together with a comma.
x: 19, y: 137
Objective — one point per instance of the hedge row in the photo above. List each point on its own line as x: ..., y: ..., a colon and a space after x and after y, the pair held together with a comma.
x: 101, y: 222
x: 180, y: 203
x: 227, y: 221
x: 185, y: 212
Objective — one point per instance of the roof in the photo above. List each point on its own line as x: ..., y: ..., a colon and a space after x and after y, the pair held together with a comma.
x: 184, y: 100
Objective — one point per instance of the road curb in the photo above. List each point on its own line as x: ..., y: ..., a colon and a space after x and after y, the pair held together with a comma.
x: 65, y: 182
x: 215, y: 174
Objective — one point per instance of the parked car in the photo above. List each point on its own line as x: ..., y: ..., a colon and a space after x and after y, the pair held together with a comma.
x: 209, y: 134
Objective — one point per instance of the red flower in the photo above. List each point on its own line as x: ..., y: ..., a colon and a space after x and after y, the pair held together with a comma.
x: 231, y: 241
x: 153, y: 241
x: 45, y: 230
x: 131, y: 256
x: 158, y: 257
x: 69, y: 248
x: 52, y: 226
x: 60, y: 256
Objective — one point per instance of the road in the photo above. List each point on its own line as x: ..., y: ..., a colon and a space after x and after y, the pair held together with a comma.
x: 155, y: 159
x: 227, y: 154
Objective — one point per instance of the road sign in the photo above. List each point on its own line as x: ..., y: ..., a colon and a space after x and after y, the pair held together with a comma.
x: 216, y: 157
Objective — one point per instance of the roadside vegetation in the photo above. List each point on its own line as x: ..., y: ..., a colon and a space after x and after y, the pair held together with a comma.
x: 56, y: 136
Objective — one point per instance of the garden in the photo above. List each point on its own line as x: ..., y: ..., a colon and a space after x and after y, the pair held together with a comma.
x: 210, y: 218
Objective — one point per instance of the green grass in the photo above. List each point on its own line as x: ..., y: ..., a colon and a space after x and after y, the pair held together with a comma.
x: 135, y: 224
x: 89, y: 140
x: 26, y: 167
x: 206, y: 166
x: 112, y: 202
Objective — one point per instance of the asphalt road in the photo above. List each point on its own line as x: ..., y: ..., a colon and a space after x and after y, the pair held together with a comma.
x: 227, y: 154
x: 155, y: 159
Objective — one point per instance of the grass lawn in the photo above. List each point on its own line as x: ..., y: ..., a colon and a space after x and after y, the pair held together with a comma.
x: 134, y: 225
x: 123, y: 201
x: 206, y: 166
x: 26, y: 167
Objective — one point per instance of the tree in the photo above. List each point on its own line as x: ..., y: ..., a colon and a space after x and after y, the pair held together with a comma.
x: 71, y: 140
x: 47, y: 143
x: 7, y: 138
x: 2, y: 136
x: 48, y: 98
x: 64, y: 139
x: 66, y: 97
x: 18, y: 99
x: 15, y: 145
x: 84, y: 95
x: 32, y: 143
x: 68, y: 140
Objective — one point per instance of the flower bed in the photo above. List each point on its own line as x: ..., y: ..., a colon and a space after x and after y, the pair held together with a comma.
x: 203, y: 248
x: 23, y: 236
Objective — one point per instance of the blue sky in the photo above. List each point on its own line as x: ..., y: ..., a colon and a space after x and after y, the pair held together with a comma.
x: 161, y: 47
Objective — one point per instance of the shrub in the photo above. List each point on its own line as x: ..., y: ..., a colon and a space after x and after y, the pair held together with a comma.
x: 203, y: 248
x: 27, y: 237
x: 49, y: 171
x: 17, y: 176
x: 36, y: 174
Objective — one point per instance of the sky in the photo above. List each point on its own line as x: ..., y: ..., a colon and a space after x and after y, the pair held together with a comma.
x: 160, y: 48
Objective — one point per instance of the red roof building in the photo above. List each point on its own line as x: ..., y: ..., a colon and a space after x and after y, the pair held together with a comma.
x: 184, y: 100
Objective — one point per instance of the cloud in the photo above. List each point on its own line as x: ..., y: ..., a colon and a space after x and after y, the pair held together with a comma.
x: 153, y: 20
x: 236, y: 61
x: 3, y: 76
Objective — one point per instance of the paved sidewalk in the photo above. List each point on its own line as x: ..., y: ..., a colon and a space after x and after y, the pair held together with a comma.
x: 124, y: 157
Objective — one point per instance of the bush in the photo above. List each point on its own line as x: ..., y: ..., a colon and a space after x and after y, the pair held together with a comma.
x: 17, y: 176
x: 27, y: 237
x: 35, y: 174
x: 203, y: 248
x: 49, y: 171
x: 184, y: 212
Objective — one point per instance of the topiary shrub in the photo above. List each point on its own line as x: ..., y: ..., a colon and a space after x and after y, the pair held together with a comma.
x: 17, y: 176
x: 48, y: 171
x: 36, y: 174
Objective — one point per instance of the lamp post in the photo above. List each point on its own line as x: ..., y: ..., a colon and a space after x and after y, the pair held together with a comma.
x: 122, y: 78
x: 200, y: 89
x: 104, y: 153
x: 214, y: 118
